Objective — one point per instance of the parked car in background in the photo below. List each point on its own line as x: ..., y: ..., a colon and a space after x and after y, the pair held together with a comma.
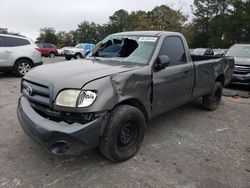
x: 106, y: 100
x: 47, y: 49
x: 61, y: 50
x: 79, y: 51
x: 219, y: 52
x: 241, y: 54
x: 18, y: 54
x: 202, y: 51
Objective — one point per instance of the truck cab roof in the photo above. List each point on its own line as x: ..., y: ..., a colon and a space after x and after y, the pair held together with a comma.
x: 148, y: 33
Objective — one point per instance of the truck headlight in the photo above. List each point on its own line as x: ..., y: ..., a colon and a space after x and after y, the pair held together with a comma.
x: 86, y: 98
x: 75, y: 98
x: 67, y: 98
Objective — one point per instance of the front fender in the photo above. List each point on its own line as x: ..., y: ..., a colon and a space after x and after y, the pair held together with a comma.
x: 115, y: 89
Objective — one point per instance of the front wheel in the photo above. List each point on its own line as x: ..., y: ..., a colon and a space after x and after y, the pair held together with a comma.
x: 212, y: 101
x: 78, y: 56
x: 67, y: 58
x: 123, y: 134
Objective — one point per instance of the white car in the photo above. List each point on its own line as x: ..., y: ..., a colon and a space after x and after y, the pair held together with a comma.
x: 79, y: 51
x: 61, y: 50
x: 18, y: 54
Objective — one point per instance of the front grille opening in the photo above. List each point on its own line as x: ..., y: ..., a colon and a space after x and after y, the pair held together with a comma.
x: 67, y: 117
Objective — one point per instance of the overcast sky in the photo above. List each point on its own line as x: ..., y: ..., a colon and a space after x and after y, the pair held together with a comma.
x: 28, y: 16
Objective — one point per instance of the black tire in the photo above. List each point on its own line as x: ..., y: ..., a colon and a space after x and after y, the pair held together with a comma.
x: 52, y: 55
x: 78, y: 56
x: 21, y: 67
x: 123, y: 134
x: 67, y: 58
x: 212, y: 101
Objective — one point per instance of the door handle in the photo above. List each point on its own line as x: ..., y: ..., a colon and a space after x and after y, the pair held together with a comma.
x: 186, y: 71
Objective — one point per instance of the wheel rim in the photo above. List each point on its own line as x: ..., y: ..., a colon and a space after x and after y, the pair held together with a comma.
x: 217, y: 96
x: 52, y: 55
x: 23, y: 68
x: 78, y: 57
x: 127, y: 134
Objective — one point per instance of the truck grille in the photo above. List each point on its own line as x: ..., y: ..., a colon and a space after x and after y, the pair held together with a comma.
x: 36, y: 93
x: 242, y: 69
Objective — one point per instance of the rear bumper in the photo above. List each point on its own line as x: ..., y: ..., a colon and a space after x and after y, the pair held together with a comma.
x: 60, y: 138
x: 241, y: 79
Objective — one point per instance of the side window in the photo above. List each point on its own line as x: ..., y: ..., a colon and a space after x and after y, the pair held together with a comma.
x: 174, y: 49
x: 1, y: 42
x: 87, y: 48
x: 13, y: 42
x: 51, y: 46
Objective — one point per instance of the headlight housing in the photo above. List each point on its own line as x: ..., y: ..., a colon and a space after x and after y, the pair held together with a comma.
x: 75, y: 98
x: 86, y: 98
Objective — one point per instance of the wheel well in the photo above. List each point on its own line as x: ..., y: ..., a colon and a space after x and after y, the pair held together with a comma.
x: 78, y: 53
x: 138, y: 104
x: 221, y: 79
x: 26, y: 58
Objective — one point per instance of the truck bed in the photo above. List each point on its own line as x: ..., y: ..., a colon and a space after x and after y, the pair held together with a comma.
x: 207, y: 69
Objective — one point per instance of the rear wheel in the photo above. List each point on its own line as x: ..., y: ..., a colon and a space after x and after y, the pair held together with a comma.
x: 212, y: 101
x: 52, y: 55
x: 124, y: 133
x: 22, y: 66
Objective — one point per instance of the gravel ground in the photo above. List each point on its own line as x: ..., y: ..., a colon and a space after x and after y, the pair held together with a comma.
x: 188, y: 147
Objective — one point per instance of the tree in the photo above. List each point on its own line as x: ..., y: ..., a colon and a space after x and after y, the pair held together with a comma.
x: 166, y: 19
x: 47, y: 35
x: 119, y: 21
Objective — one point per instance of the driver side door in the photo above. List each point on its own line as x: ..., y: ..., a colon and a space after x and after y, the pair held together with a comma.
x: 172, y: 86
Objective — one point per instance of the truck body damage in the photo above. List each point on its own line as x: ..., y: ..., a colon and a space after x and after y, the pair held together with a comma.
x: 106, y: 99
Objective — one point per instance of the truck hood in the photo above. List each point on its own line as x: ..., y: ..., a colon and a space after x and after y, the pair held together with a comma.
x: 241, y: 61
x: 75, y: 74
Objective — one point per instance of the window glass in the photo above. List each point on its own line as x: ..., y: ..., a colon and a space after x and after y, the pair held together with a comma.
x: 46, y: 46
x: 79, y: 46
x: 12, y: 41
x: 174, y: 49
x: 51, y: 46
x: 1, y: 42
x: 87, y: 47
x: 125, y: 49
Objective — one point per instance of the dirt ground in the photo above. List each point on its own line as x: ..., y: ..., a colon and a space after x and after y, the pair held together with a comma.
x: 188, y: 147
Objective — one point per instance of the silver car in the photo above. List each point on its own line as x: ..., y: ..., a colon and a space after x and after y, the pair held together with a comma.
x: 18, y: 54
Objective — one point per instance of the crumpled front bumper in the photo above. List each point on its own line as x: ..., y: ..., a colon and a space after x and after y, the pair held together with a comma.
x: 61, y: 138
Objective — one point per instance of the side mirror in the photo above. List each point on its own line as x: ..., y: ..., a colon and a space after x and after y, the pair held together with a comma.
x: 163, y: 62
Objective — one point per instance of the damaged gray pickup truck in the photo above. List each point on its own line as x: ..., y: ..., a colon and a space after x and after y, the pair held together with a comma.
x: 107, y: 99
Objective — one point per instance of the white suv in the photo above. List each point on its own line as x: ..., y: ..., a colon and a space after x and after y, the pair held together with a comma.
x: 18, y: 54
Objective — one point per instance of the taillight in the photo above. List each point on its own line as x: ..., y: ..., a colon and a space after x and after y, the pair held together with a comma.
x: 38, y: 49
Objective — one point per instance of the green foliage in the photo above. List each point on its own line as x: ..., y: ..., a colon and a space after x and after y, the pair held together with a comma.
x: 160, y: 18
x: 220, y: 23
x: 216, y: 24
x: 47, y: 35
